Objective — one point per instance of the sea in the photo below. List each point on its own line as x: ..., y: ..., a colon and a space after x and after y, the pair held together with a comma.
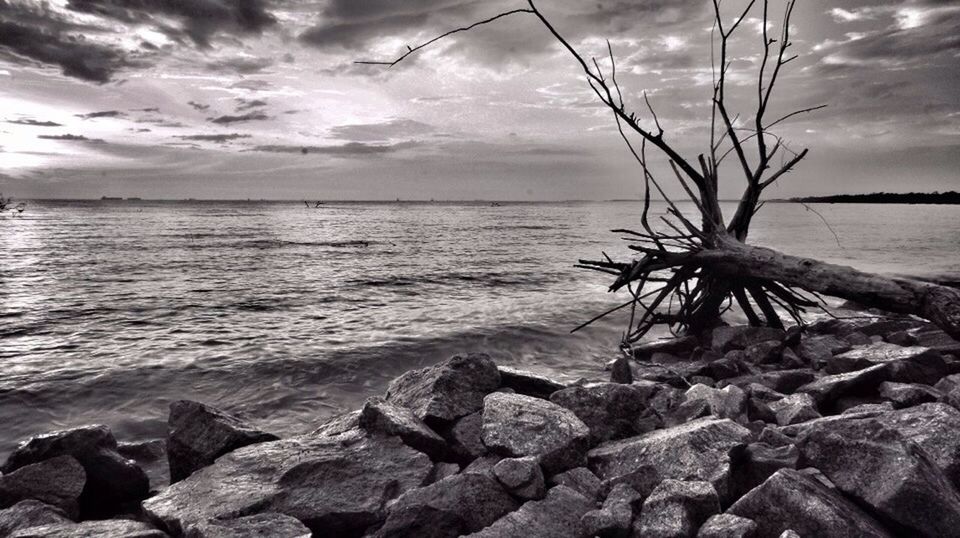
x: 287, y: 314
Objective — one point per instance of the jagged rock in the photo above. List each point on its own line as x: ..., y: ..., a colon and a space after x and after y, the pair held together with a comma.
x: 789, y: 533
x: 902, y: 338
x: 786, y: 381
x: 829, y: 389
x: 752, y: 464
x: 774, y: 437
x: 610, y: 410
x: 114, y: 528
x: 817, y: 351
x: 30, y: 513
x: 199, y: 434
x: 581, y: 480
x: 934, y: 338
x: 466, y: 435
x: 475, y: 500
x: 792, y: 500
x: 768, y: 352
x: 445, y: 392
x: 112, y: 480
x: 794, y: 409
x: 151, y: 456
x: 697, y: 450
x: 905, y: 364
x: 254, y: 526
x: 949, y: 387
x: 935, y: 427
x: 337, y: 484
x: 528, y: 383
x: 857, y: 338
x: 557, y: 515
x: 522, y: 477
x: 443, y: 470
x: 908, y: 394
x: 880, y: 467
x: 731, y: 365
x: 686, y: 412
x: 677, y: 346
x: 339, y: 424
x: 725, y: 339
x: 790, y: 360
x: 728, y: 526
x: 421, y: 522
x: 620, y: 371
x: 728, y: 402
x: 615, y: 518
x: 872, y: 408
x: 515, y: 425
x: 676, y: 509
x: 380, y: 416
x: 57, y: 481
x: 483, y: 465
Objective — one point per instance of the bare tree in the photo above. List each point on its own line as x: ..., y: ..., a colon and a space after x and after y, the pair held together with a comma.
x: 692, y: 269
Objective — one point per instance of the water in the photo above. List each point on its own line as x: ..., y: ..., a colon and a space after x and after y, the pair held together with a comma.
x: 288, y: 315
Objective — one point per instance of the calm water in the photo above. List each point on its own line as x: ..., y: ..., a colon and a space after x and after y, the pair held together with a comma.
x: 288, y: 315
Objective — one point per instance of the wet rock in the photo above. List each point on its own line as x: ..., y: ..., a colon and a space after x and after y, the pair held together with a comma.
x: 677, y: 346
x: 57, y: 482
x: 792, y: 500
x: 727, y: 526
x: 334, y: 484
x: 581, y: 480
x: 908, y: 394
x: 794, y: 409
x: 557, y: 515
x: 515, y: 425
x: 381, y: 417
x: 676, y: 509
x: 610, y: 410
x: 114, y: 528
x: 728, y: 402
x: 255, y: 526
x: 725, y: 339
x: 339, y: 424
x: 752, y: 464
x: 199, y: 434
x: 522, y: 477
x: 620, y: 371
x: 466, y: 435
x: 26, y: 514
x: 443, y: 393
x: 528, y: 383
x: 828, y: 389
x: 905, y: 364
x: 697, y: 450
x: 151, y: 456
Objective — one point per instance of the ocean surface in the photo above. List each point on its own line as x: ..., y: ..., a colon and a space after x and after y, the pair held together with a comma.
x: 288, y: 315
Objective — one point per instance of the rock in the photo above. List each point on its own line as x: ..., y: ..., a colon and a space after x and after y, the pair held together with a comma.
x: 199, y: 434
x: 151, y: 456
x: 872, y: 408
x: 557, y: 515
x: 112, y: 480
x: 725, y: 339
x: 792, y: 500
x: 774, y: 437
x: 879, y: 467
x: 528, y: 383
x: 906, y: 364
x: 515, y: 425
x: 443, y: 393
x: 335, y: 484
x: 934, y: 338
x: 676, y: 509
x: 828, y: 389
x: 858, y: 339
x: 686, y: 412
x: 908, y: 394
x: 768, y: 352
x: 421, y: 522
x: 114, y: 528
x: 57, y: 481
x: 949, y: 387
x: 620, y: 371
x: 381, y: 417
x: 30, y: 513
x: 817, y: 351
x: 728, y: 526
x: 676, y: 346
x: 581, y: 480
x: 752, y: 464
x: 697, y: 450
x: 790, y: 360
x: 935, y: 427
x: 728, y: 402
x: 610, y: 410
x: 254, y: 526
x: 466, y: 435
x: 794, y: 409
x: 475, y: 500
x: 789, y: 533
x: 615, y: 519
x: 339, y: 424
x: 522, y: 477
x: 443, y: 470
x: 483, y: 465
x: 731, y: 365
x: 902, y: 338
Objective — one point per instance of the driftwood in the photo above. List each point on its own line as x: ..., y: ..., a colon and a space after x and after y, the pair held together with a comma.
x: 691, y: 270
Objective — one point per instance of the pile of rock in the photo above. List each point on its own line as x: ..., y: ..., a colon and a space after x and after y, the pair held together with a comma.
x: 846, y: 429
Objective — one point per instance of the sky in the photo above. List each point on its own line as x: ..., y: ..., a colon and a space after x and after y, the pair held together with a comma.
x: 235, y: 99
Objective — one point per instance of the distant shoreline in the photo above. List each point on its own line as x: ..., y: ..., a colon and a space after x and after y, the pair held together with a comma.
x: 948, y: 198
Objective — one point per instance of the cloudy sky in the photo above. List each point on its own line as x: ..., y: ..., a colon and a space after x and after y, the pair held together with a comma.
x: 262, y: 98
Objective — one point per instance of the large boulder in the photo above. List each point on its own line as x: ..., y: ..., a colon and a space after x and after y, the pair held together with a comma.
x: 581, y: 480
x: 615, y: 518
x: 828, y: 389
x: 793, y: 500
x: 443, y: 393
x: 908, y: 394
x: 728, y: 402
x: 794, y: 409
x: 114, y: 528
x: 26, y: 514
x: 57, y: 481
x: 908, y: 364
x: 697, y: 450
x: 381, y: 417
x: 935, y: 428
x: 676, y: 509
x: 465, y: 436
x: 528, y: 383
x: 334, y: 484
x: 727, y: 526
x: 112, y: 481
x: 199, y: 434
x: 522, y: 477
x: 255, y: 526
x: 752, y: 464
x: 515, y: 425
x: 610, y: 410
x: 556, y: 515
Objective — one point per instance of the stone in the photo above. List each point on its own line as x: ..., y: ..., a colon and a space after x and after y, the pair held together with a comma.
x: 789, y: 533
x: 606, y: 522
x: 724, y: 339
x: 857, y: 338
x: 57, y: 482
x: 151, y: 456
x: 790, y: 360
x: 792, y: 500
x: 111, y: 480
x: 334, y: 484
x: 902, y: 338
x: 676, y: 509
x: 114, y: 528
x: 515, y: 425
x: 686, y: 412
x: 934, y: 427
x: 443, y: 470
x: 828, y: 389
x: 522, y: 477
x: 581, y: 480
x: 676, y: 346
x: 443, y: 393
x: 935, y: 338
x: 30, y: 513
x: 817, y: 351
x: 731, y: 365
x: 466, y: 435
x: 253, y: 526
x: 610, y: 410
x: 339, y: 424
x: 728, y: 402
x: 556, y: 515
x: 752, y: 464
x: 528, y: 383
x: 768, y: 352
x: 620, y: 371
x: 727, y: 526
x: 199, y: 434
x: 381, y: 417
x: 906, y: 364
x: 949, y: 387
x: 483, y: 465
x: 872, y: 408
x: 908, y: 394
x: 697, y: 450
x: 794, y: 409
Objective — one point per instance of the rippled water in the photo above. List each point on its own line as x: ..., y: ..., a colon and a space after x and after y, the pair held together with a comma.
x: 288, y: 315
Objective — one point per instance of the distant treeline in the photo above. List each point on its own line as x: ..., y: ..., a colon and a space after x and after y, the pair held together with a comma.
x: 951, y: 197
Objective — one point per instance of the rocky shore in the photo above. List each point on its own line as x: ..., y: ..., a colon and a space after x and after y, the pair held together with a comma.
x: 847, y: 428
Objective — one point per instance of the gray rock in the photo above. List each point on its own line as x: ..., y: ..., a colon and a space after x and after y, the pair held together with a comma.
x: 381, y: 417
x: 58, y: 482
x: 697, y: 450
x: 794, y: 409
x: 906, y: 364
x: 731, y: 365
x: 871, y: 408
x: 908, y: 394
x: 620, y: 371
x: 792, y: 500
x: 466, y: 435
x: 728, y: 526
x: 522, y: 477
x: 752, y: 464
x: 255, y: 526
x: 528, y: 383
x: 337, y: 484
x: 199, y: 434
x: 515, y: 425
x: 151, y: 456
x: 581, y: 480
x: 935, y: 427
x: 615, y: 519
x: 676, y: 346
x: 934, y: 338
x: 725, y: 339
x: 789, y: 533
x: 676, y: 509
x: 443, y: 393
x: 728, y: 402
x: 768, y: 352
x: 949, y: 387
x: 443, y: 470
x: 790, y: 360
x: 857, y: 338
x: 610, y: 410
x: 817, y: 351
x: 114, y: 528
x: 26, y: 514
x: 339, y: 424
x: 483, y: 465
x: 828, y: 389
x: 902, y: 338
x: 557, y: 515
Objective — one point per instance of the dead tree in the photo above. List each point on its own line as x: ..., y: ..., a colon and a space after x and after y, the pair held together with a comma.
x: 691, y: 270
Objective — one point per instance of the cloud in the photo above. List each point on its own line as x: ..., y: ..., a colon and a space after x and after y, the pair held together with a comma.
x: 253, y: 85
x: 242, y: 65
x: 151, y: 109
x: 346, y: 150
x: 198, y: 106
x: 247, y: 104
x: 214, y: 137
x: 35, y: 123
x: 70, y: 137
x: 250, y: 116
x: 102, y: 114
x: 398, y: 128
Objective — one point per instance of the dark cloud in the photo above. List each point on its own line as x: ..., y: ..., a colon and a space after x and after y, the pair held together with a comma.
x: 70, y: 137
x: 348, y: 149
x: 247, y: 104
x: 241, y: 65
x: 399, y: 128
x: 101, y: 114
x: 250, y: 116
x: 198, y: 106
x: 252, y: 85
x: 151, y: 109
x: 214, y: 137
x: 35, y: 123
